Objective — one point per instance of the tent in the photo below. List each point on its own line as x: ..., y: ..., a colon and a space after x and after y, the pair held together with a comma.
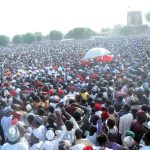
x: 99, y: 54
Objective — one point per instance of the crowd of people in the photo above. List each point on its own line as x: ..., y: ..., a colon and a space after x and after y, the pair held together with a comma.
x: 49, y: 100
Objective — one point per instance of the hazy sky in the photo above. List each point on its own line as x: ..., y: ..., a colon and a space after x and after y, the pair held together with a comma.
x: 21, y: 16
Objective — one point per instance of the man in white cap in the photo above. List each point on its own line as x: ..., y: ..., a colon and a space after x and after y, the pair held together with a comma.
x: 6, y: 120
x: 38, y: 124
x: 35, y: 140
x: 14, y: 140
x: 50, y: 142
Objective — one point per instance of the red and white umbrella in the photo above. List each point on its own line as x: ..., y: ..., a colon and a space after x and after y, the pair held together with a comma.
x: 99, y: 54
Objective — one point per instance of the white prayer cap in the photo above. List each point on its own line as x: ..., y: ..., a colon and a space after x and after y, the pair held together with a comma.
x: 50, y: 135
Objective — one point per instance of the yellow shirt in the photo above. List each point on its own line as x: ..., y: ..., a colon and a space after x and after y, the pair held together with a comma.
x: 37, y: 104
x: 46, y: 104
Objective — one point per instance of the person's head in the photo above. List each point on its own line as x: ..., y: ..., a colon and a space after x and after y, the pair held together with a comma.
x: 144, y: 108
x: 51, y: 109
x: 134, y: 112
x: 13, y: 135
x: 147, y: 92
x: 7, y: 111
x: 110, y: 123
x: 130, y: 133
x: 105, y: 115
x: 92, y: 129
x: 111, y: 136
x: 69, y: 125
x: 102, y: 139
x: 88, y: 148
x: 77, y: 116
x: 37, y: 121
x: 71, y: 101
x: 51, y: 120
x: 35, y: 136
x: 78, y: 134
x: 126, y: 108
x: 129, y: 142
x: 120, y: 98
x: 146, y: 138
x: 111, y: 109
x: 40, y: 111
x: 30, y: 118
x: 130, y: 91
x: 117, y: 106
x: 94, y: 119
x: 61, y: 93
x: 50, y: 135
x: 141, y: 116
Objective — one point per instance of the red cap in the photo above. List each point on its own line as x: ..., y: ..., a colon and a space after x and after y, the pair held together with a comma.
x: 61, y: 92
x: 13, y: 93
x: 26, y: 92
x: 88, y: 148
x: 98, y: 106
x: 16, y: 118
x: 51, y: 91
x: 105, y: 115
x: 15, y: 121
x: 73, y: 88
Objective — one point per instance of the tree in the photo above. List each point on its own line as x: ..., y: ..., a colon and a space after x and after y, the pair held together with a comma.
x: 17, y: 39
x: 28, y: 38
x: 117, y: 28
x: 80, y: 33
x: 38, y: 36
x: 147, y: 16
x: 4, y: 40
x: 127, y: 30
x: 55, y: 35
x: 105, y: 30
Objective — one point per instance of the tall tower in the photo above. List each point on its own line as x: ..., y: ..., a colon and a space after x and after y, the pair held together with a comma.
x: 134, y: 18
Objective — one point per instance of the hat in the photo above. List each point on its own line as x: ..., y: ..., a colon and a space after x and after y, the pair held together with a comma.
x: 14, y: 121
x: 105, y: 115
x: 95, y: 88
x: 51, y: 91
x: 16, y: 118
x: 98, y: 106
x: 38, y: 119
x: 6, y: 109
x: 88, y: 148
x: 60, y: 92
x: 141, y: 114
x: 134, y: 99
x: 73, y: 88
x: 128, y: 141
x: 13, y: 81
x: 6, y: 93
x: 28, y: 107
x: 38, y: 133
x: 50, y: 135
x: 13, y: 92
x: 18, y: 90
x: 12, y: 134
x: 130, y: 133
